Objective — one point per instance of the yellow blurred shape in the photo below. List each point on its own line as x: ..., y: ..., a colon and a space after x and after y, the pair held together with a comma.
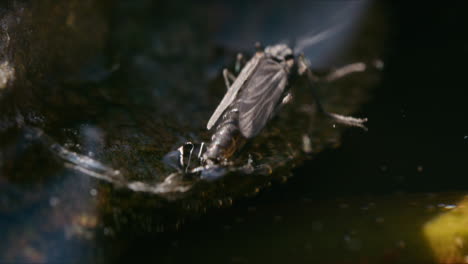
x: 447, y: 234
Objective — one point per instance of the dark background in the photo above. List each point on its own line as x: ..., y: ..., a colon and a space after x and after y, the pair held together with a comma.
x: 418, y: 117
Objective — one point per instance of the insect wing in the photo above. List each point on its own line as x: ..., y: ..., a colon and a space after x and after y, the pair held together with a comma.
x: 232, y: 92
x: 260, y: 96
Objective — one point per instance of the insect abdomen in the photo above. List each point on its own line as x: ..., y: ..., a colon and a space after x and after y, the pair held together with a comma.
x: 227, y: 138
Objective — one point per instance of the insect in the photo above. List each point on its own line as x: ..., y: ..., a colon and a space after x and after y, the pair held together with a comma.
x: 253, y: 98
x: 260, y: 90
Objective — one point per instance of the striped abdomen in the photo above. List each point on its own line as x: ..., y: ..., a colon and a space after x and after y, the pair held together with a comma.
x: 226, y: 139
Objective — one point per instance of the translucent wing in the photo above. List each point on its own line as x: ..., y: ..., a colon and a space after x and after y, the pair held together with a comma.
x: 231, y: 94
x: 260, y: 96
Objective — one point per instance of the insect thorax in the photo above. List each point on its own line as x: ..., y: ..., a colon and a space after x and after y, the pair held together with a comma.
x: 279, y: 52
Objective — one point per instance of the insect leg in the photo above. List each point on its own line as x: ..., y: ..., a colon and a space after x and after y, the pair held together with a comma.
x: 201, y: 150
x: 345, y: 71
x: 240, y: 61
x: 192, y: 146
x: 352, y: 68
x: 346, y: 120
x: 228, y: 76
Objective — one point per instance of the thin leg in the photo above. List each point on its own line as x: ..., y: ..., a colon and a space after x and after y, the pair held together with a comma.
x: 190, y: 155
x: 228, y: 76
x: 201, y: 150
x: 352, y: 68
x: 239, y: 63
x: 345, y: 71
x: 346, y: 120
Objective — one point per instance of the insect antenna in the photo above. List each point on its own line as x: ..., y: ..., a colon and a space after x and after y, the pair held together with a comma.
x: 312, y: 39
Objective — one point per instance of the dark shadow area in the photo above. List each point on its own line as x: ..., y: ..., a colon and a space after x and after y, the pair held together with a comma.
x: 417, y: 139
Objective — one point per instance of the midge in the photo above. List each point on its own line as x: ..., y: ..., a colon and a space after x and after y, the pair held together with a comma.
x: 252, y: 99
x: 257, y: 94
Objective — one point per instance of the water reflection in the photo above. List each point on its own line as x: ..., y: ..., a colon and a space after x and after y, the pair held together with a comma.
x: 50, y: 222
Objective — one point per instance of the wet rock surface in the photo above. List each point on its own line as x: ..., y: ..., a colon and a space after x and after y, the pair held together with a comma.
x: 42, y: 43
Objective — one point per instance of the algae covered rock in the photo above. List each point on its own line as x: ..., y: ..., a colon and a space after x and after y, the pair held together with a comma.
x: 42, y: 43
